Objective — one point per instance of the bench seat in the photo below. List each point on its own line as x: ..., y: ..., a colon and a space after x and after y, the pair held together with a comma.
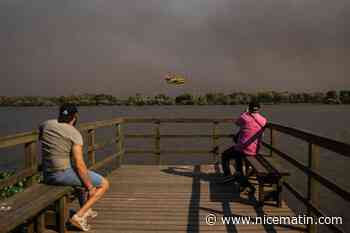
x: 31, y: 205
x: 265, y: 174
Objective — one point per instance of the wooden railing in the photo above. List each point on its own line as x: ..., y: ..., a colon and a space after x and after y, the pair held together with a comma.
x: 157, y: 136
x: 29, y: 141
x: 312, y: 169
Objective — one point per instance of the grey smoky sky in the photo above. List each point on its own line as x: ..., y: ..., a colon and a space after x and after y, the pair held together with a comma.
x: 51, y: 47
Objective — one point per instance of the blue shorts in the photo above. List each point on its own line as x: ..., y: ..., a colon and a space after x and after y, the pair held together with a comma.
x: 69, y: 177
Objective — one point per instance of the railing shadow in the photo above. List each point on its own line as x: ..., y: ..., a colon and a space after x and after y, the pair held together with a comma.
x: 193, y: 223
x: 226, y: 194
x: 194, y: 206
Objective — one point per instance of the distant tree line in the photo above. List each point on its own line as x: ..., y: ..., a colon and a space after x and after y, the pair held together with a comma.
x: 268, y: 97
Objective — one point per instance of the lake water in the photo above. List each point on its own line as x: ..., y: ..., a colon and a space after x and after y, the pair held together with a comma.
x: 329, y: 121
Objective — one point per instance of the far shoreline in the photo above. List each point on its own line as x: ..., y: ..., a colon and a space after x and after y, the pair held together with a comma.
x: 181, y: 105
x: 331, y: 97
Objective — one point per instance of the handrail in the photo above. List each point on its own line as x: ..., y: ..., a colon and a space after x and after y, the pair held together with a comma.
x: 325, y: 181
x: 100, y: 124
x: 16, y: 139
x: 178, y: 120
x: 330, y: 144
x: 327, y: 143
x: 29, y: 141
x: 312, y: 201
x: 178, y: 135
x: 27, y: 137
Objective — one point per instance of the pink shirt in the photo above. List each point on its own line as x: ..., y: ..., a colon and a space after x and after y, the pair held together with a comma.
x: 250, y: 132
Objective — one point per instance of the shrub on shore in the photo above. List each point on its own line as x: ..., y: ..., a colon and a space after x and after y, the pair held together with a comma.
x: 267, y: 97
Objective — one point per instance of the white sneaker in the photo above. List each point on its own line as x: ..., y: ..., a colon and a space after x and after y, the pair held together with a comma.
x: 80, y: 222
x: 90, y: 214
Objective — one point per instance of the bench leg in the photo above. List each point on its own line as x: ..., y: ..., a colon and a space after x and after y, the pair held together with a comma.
x: 246, y: 168
x: 62, y: 213
x: 40, y: 223
x: 261, y: 194
x: 279, y: 193
x: 30, y: 227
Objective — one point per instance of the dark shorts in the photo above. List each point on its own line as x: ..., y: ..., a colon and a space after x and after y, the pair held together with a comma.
x: 233, y: 152
x: 69, y: 177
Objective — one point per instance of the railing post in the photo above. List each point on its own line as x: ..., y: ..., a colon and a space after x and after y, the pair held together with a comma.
x: 40, y: 223
x: 62, y: 212
x: 157, y: 142
x: 31, y: 160
x: 215, y: 141
x: 272, y: 139
x: 91, y: 146
x: 313, y: 184
x: 120, y: 143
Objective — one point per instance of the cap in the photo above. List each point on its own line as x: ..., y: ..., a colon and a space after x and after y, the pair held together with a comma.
x: 67, y: 111
x: 254, y: 106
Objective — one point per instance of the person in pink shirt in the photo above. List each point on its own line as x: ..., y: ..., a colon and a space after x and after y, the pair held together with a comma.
x: 251, y: 127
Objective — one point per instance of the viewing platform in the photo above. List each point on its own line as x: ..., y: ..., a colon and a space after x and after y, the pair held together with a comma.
x: 178, y: 199
x: 160, y: 197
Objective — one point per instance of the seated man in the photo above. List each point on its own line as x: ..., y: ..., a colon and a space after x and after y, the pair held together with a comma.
x: 248, y: 140
x: 62, y: 144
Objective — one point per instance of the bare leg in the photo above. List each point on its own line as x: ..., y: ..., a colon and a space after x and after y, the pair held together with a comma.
x: 92, y: 200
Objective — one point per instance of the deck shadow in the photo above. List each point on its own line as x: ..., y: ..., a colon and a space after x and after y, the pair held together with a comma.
x: 226, y: 194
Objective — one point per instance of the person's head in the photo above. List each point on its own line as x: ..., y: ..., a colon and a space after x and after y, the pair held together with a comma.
x: 254, y: 106
x: 68, y: 113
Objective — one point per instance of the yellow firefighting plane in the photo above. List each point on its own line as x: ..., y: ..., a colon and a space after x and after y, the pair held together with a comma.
x: 174, y: 79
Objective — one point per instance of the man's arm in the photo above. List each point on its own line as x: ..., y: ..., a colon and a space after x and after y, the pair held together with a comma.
x: 240, y: 121
x: 77, y: 154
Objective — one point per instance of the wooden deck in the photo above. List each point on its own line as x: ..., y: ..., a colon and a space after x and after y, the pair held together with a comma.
x: 176, y: 199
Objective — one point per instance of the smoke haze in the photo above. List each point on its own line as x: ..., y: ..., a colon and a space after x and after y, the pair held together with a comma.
x: 125, y: 47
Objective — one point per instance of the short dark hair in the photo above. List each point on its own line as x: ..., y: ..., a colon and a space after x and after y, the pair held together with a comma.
x: 254, y: 106
x: 67, y: 113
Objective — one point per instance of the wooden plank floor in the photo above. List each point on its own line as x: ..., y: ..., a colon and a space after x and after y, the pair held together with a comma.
x: 176, y: 199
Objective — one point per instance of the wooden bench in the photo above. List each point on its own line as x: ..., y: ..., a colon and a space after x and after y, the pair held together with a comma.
x: 266, y: 174
x: 30, y: 206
